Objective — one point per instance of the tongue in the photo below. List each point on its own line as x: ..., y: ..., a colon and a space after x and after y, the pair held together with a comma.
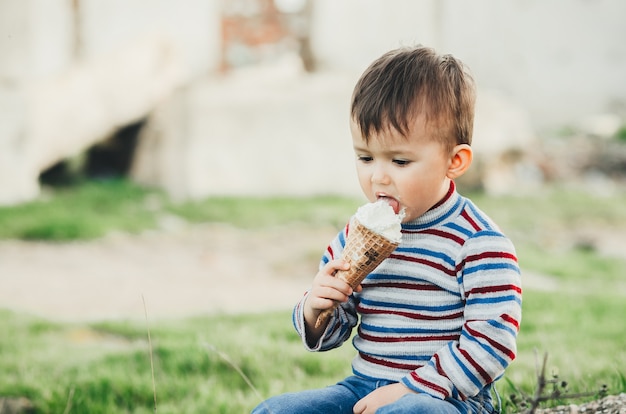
x: 393, y: 203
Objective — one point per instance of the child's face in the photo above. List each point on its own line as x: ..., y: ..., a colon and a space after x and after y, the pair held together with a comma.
x: 409, y: 172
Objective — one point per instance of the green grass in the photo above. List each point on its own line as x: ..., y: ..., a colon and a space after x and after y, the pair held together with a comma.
x: 94, y: 209
x: 256, y: 212
x: 620, y: 135
x: 86, y: 212
x: 105, y: 367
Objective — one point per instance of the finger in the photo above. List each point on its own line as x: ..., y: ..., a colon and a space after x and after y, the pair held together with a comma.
x: 320, y: 304
x: 330, y: 293
x: 334, y: 265
x: 359, y: 407
x: 339, y: 293
x: 324, y: 281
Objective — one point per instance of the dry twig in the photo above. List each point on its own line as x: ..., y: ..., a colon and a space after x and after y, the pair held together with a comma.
x: 558, y: 392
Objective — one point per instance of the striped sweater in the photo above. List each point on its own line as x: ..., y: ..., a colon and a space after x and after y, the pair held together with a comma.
x: 442, y: 313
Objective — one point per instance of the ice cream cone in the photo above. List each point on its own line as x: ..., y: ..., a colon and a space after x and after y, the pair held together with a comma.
x: 364, y: 250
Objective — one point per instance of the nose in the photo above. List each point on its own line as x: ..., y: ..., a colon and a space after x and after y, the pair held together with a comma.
x: 379, y: 175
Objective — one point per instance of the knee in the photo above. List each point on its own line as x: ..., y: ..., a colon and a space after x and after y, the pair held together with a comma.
x: 263, y: 408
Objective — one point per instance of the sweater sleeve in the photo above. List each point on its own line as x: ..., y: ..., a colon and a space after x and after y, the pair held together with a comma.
x: 343, y: 319
x: 339, y: 328
x: 490, y: 283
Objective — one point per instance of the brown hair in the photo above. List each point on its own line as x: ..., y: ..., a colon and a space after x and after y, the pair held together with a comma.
x: 407, y: 82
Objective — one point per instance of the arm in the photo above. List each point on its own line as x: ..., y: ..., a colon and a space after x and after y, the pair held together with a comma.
x: 491, y: 287
x: 324, y: 292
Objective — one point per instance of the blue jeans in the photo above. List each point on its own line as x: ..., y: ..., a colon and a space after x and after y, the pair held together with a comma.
x: 341, y: 397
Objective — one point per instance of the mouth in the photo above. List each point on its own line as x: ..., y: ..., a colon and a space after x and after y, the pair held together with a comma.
x: 395, y: 204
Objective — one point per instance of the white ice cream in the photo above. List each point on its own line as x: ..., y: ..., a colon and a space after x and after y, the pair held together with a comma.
x: 380, y: 218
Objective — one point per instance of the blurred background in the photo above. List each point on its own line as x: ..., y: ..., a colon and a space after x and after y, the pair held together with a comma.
x: 241, y: 97
x: 188, y: 161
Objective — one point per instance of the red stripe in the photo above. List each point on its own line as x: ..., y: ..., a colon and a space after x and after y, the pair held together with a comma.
x: 486, y: 377
x: 390, y: 364
x: 491, y: 255
x: 440, y: 370
x: 398, y: 285
x: 418, y: 316
x: 429, y: 384
x: 510, y: 354
x: 388, y: 339
x: 440, y: 233
x: 510, y: 320
x: 329, y: 249
x: 437, y: 266
x: 470, y: 220
x: 497, y: 288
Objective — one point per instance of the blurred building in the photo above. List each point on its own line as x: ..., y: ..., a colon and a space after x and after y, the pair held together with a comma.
x: 205, y: 97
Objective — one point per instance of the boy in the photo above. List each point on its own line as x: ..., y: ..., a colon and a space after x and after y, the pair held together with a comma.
x: 439, y: 318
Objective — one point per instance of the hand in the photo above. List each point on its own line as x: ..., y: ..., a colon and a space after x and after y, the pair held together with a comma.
x: 326, y: 290
x: 380, y: 397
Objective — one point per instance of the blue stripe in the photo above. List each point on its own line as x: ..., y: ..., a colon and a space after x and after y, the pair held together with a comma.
x: 491, y: 266
x: 501, y: 326
x: 345, y: 331
x: 294, y: 320
x: 478, y: 215
x: 411, y: 358
x: 342, y: 238
x: 342, y: 241
x: 489, y: 233
x: 382, y: 329
x: 494, y: 299
x: 469, y: 374
x: 455, y: 392
x: 393, y: 277
x: 426, y: 252
x: 395, y: 305
x: 488, y: 349
x: 450, y: 212
x: 466, y: 232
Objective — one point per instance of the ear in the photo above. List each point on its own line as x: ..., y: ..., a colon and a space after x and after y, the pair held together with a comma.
x: 460, y: 160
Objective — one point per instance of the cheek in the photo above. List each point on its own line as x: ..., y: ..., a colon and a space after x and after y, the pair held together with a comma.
x: 365, y: 182
x: 363, y: 176
x: 416, y: 185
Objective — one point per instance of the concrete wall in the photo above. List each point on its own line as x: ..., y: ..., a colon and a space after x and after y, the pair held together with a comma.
x: 191, y: 25
x: 74, y: 72
x: 560, y: 59
x: 35, y: 39
x: 260, y: 131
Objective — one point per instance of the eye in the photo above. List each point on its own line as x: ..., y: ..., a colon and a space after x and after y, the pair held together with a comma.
x: 364, y: 158
x: 401, y: 163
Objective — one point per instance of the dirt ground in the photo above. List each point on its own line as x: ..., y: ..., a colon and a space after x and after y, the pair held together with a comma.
x: 189, y: 271
x: 196, y: 270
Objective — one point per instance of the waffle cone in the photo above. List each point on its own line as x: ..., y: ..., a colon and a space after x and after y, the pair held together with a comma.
x: 364, y: 250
